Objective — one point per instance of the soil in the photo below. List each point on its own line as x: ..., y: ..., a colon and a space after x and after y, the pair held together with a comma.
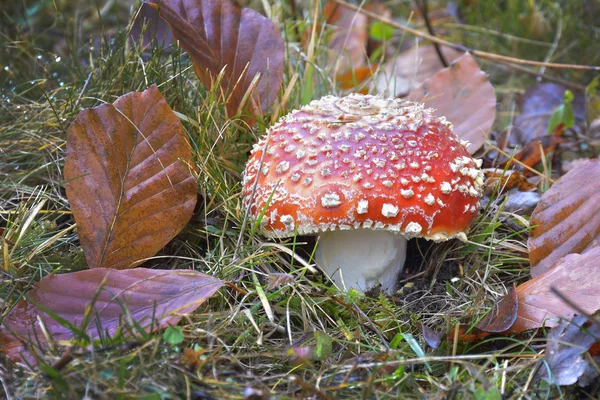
x: 416, y: 288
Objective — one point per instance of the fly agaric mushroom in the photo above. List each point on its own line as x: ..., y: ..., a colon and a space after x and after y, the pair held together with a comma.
x: 365, y: 173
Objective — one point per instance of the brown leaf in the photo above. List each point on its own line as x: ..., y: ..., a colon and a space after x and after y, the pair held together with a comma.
x: 505, y: 180
x: 595, y: 349
x: 411, y: 68
x: 348, y: 44
x: 536, y: 106
x: 191, y: 358
x: 567, y: 219
x: 356, y: 78
x: 277, y: 280
x: 467, y: 334
x: 564, y: 363
x: 531, y: 154
x: 219, y: 34
x: 463, y: 95
x: 152, y: 298
x: 128, y: 179
x: 503, y: 315
x: 576, y: 276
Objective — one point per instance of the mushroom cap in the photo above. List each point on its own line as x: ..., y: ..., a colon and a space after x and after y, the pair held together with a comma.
x: 362, y: 161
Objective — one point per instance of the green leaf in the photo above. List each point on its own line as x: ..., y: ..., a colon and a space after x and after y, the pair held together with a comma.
x: 490, y: 394
x: 414, y: 345
x: 323, y: 347
x: 381, y: 31
x: 396, y: 341
x: 592, y: 101
x: 351, y: 296
x: 173, y: 335
x: 563, y: 114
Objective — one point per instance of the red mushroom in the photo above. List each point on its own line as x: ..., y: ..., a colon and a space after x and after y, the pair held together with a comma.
x: 365, y: 173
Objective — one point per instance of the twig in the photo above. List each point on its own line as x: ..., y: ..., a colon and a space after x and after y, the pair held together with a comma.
x: 63, y: 361
x: 236, y: 288
x: 425, y: 12
x: 459, y: 47
x: 549, y: 78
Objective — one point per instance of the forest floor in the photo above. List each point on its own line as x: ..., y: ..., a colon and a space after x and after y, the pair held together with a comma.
x: 300, y: 337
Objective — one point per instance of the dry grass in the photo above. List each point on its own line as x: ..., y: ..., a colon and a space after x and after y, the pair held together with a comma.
x: 242, y: 337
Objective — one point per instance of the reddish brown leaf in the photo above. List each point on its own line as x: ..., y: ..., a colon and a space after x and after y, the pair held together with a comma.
x: 152, y: 298
x: 465, y: 334
x: 575, y: 276
x: 567, y: 219
x: 411, y: 68
x: 219, y: 34
x: 128, y: 179
x: 531, y: 154
x: 356, y: 78
x: 191, y: 358
x: 463, y: 95
x: 503, y: 315
x: 505, y: 180
x: 536, y: 106
x: 595, y: 349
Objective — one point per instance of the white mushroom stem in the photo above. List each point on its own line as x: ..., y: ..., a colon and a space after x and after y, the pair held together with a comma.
x: 361, y: 258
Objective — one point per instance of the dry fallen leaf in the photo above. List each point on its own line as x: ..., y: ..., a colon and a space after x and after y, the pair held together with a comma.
x: 463, y: 95
x: 355, y: 80
x: 505, y: 180
x: 564, y: 363
x: 127, y: 179
x: 503, y: 315
x: 220, y: 35
x: 467, y: 334
x: 531, y: 155
x: 277, y: 280
x: 567, y: 219
x: 190, y: 358
x: 411, y: 68
x: 575, y: 276
x: 108, y: 300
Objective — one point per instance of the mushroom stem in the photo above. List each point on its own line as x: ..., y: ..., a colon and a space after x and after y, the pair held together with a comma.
x: 361, y: 258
